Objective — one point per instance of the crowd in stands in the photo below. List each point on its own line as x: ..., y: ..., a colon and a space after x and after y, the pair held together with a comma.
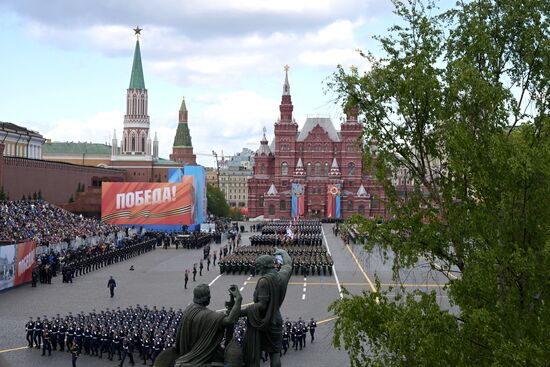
x: 45, y: 223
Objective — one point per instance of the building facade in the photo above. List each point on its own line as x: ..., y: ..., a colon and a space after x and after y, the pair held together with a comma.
x: 234, y: 175
x: 20, y: 142
x: 211, y: 176
x: 318, y: 162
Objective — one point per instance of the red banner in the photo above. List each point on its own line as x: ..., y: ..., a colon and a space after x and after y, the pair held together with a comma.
x: 26, y: 258
x: 148, y: 203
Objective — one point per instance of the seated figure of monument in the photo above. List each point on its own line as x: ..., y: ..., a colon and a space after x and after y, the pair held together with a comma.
x: 200, y: 332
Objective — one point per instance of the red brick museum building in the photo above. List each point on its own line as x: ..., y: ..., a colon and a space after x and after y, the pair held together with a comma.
x: 318, y: 158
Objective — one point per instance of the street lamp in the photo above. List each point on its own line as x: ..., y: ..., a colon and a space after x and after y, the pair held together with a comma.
x: 217, y: 167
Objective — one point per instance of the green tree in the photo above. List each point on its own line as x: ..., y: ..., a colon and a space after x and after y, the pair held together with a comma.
x: 216, y: 202
x: 71, y: 199
x: 235, y: 214
x: 460, y: 101
x: 2, y: 193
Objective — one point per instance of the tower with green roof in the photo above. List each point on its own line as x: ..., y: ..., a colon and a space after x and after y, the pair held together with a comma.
x: 182, y: 150
x: 136, y: 140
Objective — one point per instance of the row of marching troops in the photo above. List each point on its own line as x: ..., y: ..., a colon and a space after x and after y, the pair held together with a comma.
x: 305, y: 261
x: 287, y: 222
x: 284, y: 240
x: 107, y: 256
x: 135, y: 330
x: 294, y: 228
x: 295, y: 331
x: 190, y: 240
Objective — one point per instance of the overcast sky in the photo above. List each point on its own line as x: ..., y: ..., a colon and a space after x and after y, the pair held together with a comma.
x: 66, y: 64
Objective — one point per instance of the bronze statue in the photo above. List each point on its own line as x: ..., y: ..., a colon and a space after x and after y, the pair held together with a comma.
x: 264, y: 321
x: 200, y: 332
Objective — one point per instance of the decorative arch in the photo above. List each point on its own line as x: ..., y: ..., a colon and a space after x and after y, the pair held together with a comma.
x: 133, y: 141
x: 318, y: 169
x: 284, y: 168
x: 142, y: 139
x: 351, y: 168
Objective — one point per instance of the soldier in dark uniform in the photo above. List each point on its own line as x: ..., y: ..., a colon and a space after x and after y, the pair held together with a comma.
x: 61, y: 335
x: 293, y: 336
x: 201, y: 266
x: 111, y: 284
x: 186, y: 279
x: 46, y: 345
x: 54, y: 331
x: 37, y: 335
x: 78, y: 337
x: 70, y: 336
x: 87, y: 339
x: 286, y: 338
x: 29, y: 328
x: 194, y: 271
x: 96, y: 341
x: 312, y: 325
x: 146, y: 347
x: 157, y: 348
x: 299, y: 337
x: 127, y: 350
x: 74, y: 353
x: 105, y: 344
x: 117, y: 345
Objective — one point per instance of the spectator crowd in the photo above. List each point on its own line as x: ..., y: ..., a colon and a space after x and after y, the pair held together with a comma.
x: 45, y: 223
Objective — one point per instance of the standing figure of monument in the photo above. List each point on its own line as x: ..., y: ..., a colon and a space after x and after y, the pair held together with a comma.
x: 200, y: 332
x: 264, y: 322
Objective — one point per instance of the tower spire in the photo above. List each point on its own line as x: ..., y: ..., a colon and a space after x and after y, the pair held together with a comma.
x: 286, y: 106
x: 286, y: 86
x: 183, y: 111
x: 136, y: 80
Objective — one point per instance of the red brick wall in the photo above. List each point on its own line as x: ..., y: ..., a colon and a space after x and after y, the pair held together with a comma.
x: 57, y: 181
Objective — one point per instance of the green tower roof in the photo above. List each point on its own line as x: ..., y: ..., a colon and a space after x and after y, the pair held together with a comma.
x: 183, y: 137
x: 136, y: 80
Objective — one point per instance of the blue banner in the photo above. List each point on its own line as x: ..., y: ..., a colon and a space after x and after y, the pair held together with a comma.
x: 199, y: 176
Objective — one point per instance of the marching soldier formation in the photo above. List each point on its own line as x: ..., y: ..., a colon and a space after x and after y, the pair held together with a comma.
x: 306, y: 260
x: 124, y: 333
x: 302, y: 240
x: 295, y: 332
x: 106, y: 255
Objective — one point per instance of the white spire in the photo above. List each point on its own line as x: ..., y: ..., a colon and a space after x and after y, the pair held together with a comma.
x: 156, y: 139
x: 299, y: 171
x: 362, y: 192
x: 272, y: 191
x: 334, y: 170
x: 286, y: 86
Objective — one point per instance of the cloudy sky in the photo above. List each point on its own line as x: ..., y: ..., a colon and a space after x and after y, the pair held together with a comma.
x: 66, y: 64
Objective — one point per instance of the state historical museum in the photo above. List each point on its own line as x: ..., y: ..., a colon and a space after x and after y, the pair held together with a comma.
x: 315, y: 172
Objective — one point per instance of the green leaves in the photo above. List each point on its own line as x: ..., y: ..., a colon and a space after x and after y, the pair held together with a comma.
x: 458, y: 105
